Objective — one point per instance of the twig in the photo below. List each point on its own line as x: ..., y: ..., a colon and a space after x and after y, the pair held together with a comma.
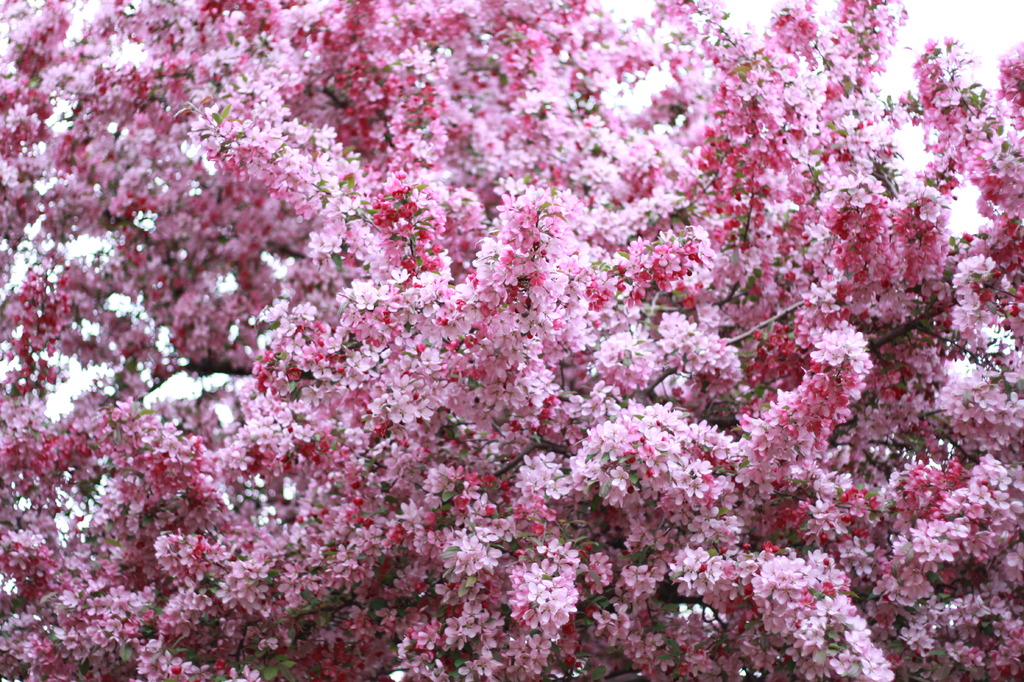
x: 893, y: 334
x: 975, y: 357
x: 903, y: 329
x: 724, y: 422
x: 553, y: 447
x: 207, y: 367
x: 731, y: 295
x: 288, y: 251
x: 339, y: 102
x: 241, y: 641
x: 664, y: 374
x: 203, y: 368
x: 884, y: 175
x: 538, y: 445
x: 669, y: 371
x: 515, y: 462
x: 774, y: 318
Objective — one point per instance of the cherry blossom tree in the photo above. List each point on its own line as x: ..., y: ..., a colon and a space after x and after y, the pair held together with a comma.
x: 499, y: 378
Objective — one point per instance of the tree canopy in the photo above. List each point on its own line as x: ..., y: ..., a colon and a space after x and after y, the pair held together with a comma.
x: 500, y: 379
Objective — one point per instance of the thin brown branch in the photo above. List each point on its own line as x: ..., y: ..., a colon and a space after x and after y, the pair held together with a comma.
x: 895, y: 333
x: 553, y: 447
x: 874, y: 344
x: 241, y: 641
x: 669, y: 371
x: 667, y: 593
x: 338, y: 101
x: 285, y: 250
x: 729, y: 297
x: 885, y: 175
x: 902, y: 330
x: 761, y: 325
x: 980, y: 359
x: 539, y: 445
x: 664, y: 374
x: 725, y: 422
x: 208, y: 367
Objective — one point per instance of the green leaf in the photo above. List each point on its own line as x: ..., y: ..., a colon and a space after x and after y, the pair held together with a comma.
x: 127, y: 652
x: 598, y: 672
x: 270, y: 673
